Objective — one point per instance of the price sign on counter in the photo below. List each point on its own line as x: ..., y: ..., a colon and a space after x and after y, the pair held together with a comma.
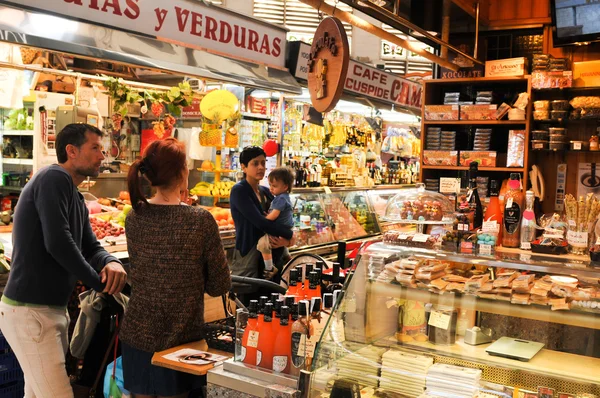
x: 449, y: 185
x: 439, y: 320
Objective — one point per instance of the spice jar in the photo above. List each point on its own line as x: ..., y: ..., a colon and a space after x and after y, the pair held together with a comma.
x: 594, y: 143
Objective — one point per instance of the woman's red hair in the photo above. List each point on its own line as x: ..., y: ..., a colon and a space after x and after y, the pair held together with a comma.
x: 163, y: 165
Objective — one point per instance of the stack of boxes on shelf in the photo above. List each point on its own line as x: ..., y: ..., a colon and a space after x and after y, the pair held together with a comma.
x: 11, y: 375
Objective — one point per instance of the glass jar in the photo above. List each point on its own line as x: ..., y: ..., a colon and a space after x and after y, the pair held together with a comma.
x: 441, y: 325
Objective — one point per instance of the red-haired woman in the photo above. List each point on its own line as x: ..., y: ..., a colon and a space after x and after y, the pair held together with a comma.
x: 176, y: 256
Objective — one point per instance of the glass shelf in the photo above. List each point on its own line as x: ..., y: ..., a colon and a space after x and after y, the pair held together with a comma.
x: 504, y: 258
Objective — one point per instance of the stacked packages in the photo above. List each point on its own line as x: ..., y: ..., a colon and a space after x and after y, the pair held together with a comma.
x: 404, y: 373
x: 362, y: 366
x: 452, y: 381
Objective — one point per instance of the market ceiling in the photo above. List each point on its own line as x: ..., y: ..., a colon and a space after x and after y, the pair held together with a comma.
x: 93, y: 41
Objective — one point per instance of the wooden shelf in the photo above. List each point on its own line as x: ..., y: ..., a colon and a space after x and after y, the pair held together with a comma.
x: 499, y: 169
x: 476, y: 122
x: 479, y: 80
x: 27, y: 162
x: 539, y: 313
x: 577, y: 368
x: 18, y: 132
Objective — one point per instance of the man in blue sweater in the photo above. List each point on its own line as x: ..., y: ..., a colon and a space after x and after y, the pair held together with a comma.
x: 53, y: 247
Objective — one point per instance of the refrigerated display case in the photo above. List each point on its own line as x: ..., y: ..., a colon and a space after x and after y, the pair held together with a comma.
x: 417, y: 321
x: 322, y: 217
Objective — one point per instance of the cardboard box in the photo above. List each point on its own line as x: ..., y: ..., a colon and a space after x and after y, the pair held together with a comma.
x: 441, y: 112
x: 543, y: 79
x: 478, y: 112
x: 586, y: 74
x: 484, y: 158
x: 507, y: 67
x: 440, y: 158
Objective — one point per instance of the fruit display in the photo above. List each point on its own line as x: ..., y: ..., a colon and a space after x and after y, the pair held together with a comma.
x: 222, y: 217
x: 103, y: 229
x: 115, y: 217
x: 221, y: 188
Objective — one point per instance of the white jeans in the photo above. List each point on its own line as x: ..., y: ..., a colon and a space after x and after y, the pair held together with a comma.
x: 38, y: 336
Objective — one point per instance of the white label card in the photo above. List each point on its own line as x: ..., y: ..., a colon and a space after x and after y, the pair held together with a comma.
x: 253, y: 339
x: 328, y: 190
x: 490, y: 226
x: 579, y: 239
x: 509, y: 203
x: 420, y: 238
x: 439, y: 320
x: 449, y: 185
x: 485, y: 249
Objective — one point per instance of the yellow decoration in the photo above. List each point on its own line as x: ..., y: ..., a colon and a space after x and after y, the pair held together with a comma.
x: 210, y: 135
x: 219, y: 105
x: 207, y: 166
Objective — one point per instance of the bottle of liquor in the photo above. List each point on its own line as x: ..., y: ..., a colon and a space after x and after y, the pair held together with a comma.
x: 264, y: 350
x: 513, y: 206
x: 307, y: 270
x: 276, y: 312
x: 251, y: 335
x: 282, y: 351
x: 528, y: 222
x: 293, y: 283
x: 335, y: 279
x: 314, y: 286
x: 300, y: 333
x: 493, y: 213
x: 473, y: 198
x: 317, y: 327
x: 274, y: 298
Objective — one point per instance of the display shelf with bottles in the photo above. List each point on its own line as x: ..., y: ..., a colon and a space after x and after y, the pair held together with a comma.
x: 428, y: 320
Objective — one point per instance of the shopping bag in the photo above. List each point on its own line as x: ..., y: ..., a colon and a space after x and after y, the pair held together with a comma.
x: 113, y: 381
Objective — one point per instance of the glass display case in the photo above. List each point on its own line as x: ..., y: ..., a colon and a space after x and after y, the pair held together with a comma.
x: 420, y: 322
x: 341, y: 214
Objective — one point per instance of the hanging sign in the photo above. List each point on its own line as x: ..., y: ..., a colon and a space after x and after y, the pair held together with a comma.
x: 365, y: 80
x: 183, y: 22
x: 327, y: 64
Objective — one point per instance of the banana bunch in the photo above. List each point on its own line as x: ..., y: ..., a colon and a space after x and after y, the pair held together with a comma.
x: 221, y: 188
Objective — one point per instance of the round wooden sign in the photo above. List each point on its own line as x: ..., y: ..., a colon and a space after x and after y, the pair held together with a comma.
x: 328, y: 64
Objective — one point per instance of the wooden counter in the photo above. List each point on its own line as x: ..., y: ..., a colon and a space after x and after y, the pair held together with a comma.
x: 199, y: 370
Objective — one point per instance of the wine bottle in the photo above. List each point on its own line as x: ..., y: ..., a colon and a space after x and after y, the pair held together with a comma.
x: 335, y: 279
x: 282, y: 351
x: 264, y: 350
x: 251, y: 335
x: 473, y: 198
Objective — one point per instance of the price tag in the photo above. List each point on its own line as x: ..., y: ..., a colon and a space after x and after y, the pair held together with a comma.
x: 572, y: 223
x: 525, y: 245
x: 490, y: 226
x: 509, y: 203
x: 579, y: 239
x: 420, y: 238
x: 449, y: 185
x: 253, y: 339
x: 328, y: 190
x: 439, y: 320
x: 598, y: 240
x: 485, y: 249
x: 577, y: 146
x: 403, y: 237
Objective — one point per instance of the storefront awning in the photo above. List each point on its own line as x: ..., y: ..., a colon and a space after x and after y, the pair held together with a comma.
x: 102, y: 43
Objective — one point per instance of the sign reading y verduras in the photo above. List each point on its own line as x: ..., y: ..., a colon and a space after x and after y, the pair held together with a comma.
x: 184, y: 22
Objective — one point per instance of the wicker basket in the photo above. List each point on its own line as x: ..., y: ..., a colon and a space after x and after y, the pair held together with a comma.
x: 220, y: 335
